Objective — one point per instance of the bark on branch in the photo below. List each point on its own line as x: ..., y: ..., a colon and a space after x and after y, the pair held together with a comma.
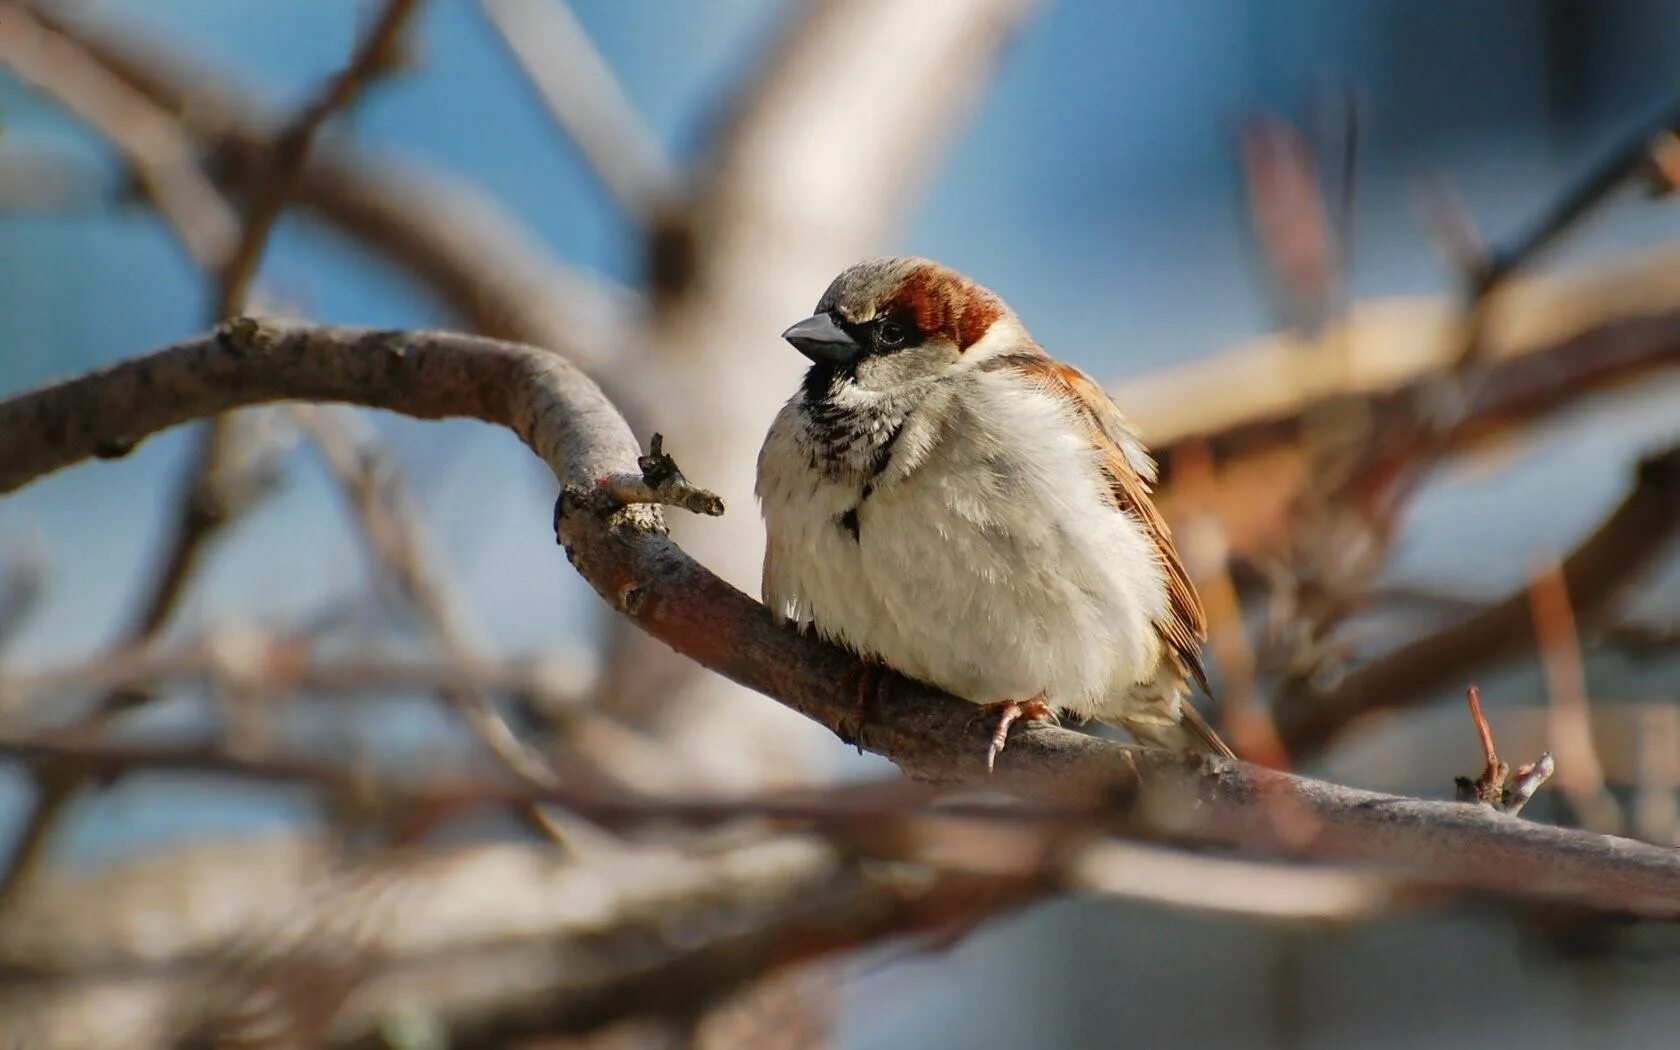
x: 625, y: 555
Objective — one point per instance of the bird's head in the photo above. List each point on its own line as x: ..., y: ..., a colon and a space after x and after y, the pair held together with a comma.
x: 890, y: 321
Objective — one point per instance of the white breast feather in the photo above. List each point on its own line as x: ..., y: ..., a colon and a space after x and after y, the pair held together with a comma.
x: 988, y: 560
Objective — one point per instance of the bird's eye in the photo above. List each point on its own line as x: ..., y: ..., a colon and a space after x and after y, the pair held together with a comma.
x: 891, y: 334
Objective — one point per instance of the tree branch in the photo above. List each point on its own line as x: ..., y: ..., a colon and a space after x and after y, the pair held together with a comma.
x: 579, y: 90
x: 1624, y: 546
x: 626, y: 556
x: 445, y: 233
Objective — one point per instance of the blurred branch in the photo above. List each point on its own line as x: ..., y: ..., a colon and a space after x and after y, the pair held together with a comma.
x: 285, y: 662
x: 1291, y: 221
x: 23, y: 580
x: 578, y: 88
x: 1622, y: 162
x: 164, y: 161
x: 1558, y: 337
x: 626, y: 556
x: 231, y: 468
x: 479, y: 934
x: 448, y: 235
x: 1656, y: 816
x: 556, y: 946
x: 1581, y: 779
x: 1627, y: 544
x: 389, y: 521
x: 1245, y: 720
x: 236, y: 465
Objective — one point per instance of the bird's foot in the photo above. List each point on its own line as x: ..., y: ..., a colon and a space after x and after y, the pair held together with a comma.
x: 869, y: 681
x: 1008, y: 713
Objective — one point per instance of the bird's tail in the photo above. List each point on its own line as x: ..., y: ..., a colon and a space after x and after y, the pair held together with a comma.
x: 1183, y: 730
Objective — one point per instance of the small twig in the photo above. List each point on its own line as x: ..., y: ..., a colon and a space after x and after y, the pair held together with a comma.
x: 1582, y: 780
x: 1498, y: 786
x: 584, y: 98
x: 662, y: 482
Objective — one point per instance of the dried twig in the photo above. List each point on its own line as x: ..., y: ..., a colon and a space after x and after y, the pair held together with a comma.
x: 1498, y: 786
x: 661, y: 482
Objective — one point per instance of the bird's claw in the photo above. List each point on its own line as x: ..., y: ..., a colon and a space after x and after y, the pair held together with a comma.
x: 1008, y: 713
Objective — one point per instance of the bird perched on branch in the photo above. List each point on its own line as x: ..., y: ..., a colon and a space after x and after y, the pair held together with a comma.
x: 944, y: 497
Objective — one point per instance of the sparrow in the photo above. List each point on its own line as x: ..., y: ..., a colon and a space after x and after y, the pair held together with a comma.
x: 943, y: 497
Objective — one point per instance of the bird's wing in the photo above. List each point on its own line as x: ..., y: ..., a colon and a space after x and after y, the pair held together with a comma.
x: 1130, y: 472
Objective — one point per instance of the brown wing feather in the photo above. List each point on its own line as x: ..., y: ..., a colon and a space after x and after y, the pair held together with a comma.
x: 1184, y: 627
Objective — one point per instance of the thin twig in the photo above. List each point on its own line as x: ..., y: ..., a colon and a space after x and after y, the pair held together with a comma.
x: 373, y: 57
x: 229, y: 472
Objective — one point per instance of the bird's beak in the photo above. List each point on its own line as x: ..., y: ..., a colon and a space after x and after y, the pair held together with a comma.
x: 823, y: 341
